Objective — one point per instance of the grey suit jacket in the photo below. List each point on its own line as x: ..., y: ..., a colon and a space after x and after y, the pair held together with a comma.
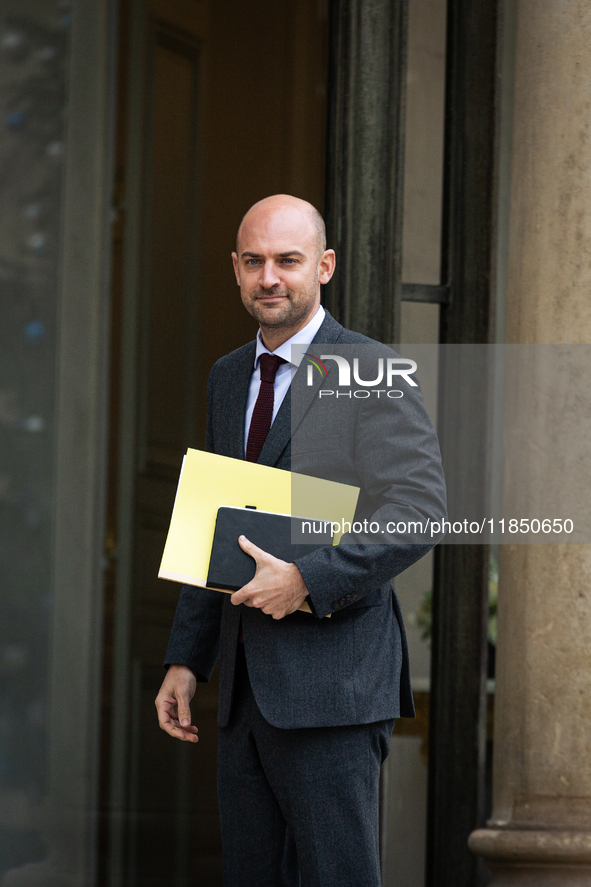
x: 310, y: 671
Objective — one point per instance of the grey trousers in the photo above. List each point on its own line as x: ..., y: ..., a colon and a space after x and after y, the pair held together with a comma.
x: 298, y: 808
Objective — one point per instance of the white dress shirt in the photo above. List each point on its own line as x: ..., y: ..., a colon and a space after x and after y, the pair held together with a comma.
x: 285, y: 371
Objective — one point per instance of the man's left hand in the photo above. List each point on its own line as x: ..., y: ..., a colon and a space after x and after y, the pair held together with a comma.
x: 277, y: 588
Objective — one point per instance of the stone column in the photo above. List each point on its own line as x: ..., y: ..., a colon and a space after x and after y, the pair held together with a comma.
x: 66, y: 819
x: 365, y: 170
x: 540, y: 830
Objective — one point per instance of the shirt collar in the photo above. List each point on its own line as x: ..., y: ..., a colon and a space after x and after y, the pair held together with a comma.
x: 304, y: 337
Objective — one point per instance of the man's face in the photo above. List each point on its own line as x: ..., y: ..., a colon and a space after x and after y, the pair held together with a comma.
x: 278, y: 267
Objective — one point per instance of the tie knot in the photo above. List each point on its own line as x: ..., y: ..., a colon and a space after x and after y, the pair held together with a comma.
x: 269, y: 364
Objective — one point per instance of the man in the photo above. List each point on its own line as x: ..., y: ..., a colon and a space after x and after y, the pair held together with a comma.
x: 307, y: 703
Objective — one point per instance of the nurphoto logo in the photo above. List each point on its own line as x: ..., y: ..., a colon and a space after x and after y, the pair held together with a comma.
x: 388, y: 370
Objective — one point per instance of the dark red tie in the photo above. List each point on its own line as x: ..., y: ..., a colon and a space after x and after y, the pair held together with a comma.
x: 263, y: 408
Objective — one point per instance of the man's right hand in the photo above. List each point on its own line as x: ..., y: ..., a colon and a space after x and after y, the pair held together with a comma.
x: 173, y: 703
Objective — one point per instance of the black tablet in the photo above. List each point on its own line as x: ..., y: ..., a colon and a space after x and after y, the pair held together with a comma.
x: 230, y: 568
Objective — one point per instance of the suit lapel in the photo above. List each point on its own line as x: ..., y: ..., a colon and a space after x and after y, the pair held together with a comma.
x: 328, y: 334
x: 286, y: 419
x: 236, y: 398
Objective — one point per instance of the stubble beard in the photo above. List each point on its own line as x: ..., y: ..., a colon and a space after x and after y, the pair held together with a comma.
x: 290, y: 313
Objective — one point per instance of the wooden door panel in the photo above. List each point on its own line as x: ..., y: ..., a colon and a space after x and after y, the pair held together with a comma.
x: 170, y: 214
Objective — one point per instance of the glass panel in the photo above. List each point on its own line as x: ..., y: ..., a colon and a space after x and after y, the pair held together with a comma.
x: 423, y: 164
x: 405, y: 771
x: 405, y: 777
x: 419, y: 323
x: 33, y: 53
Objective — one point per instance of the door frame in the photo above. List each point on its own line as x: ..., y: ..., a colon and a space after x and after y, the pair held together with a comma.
x: 81, y: 443
x: 465, y: 293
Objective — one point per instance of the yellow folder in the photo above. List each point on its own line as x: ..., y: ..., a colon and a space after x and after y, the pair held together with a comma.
x: 208, y: 481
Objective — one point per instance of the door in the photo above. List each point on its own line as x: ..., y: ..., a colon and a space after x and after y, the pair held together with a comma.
x: 219, y: 106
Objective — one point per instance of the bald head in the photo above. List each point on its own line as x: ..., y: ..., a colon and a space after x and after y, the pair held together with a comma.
x: 280, y: 263
x: 283, y: 208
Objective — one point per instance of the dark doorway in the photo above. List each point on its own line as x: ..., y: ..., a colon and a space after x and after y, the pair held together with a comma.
x: 220, y: 104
